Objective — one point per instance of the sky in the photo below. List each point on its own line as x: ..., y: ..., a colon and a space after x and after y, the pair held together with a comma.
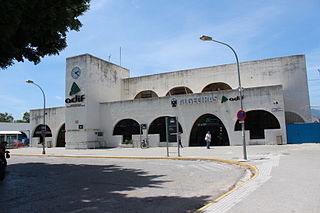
x: 163, y: 36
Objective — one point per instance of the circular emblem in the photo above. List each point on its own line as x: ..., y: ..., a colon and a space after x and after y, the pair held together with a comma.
x: 75, y: 73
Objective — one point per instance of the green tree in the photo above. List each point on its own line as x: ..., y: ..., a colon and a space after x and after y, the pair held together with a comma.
x: 5, y: 117
x: 26, y: 117
x: 32, y: 29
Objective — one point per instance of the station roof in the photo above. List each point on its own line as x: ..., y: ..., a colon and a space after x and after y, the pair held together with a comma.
x: 10, y: 133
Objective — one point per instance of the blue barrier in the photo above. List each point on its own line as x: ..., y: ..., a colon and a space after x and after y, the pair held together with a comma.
x: 303, y: 133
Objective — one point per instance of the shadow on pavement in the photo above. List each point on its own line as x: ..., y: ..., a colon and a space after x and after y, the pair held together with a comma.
x: 40, y: 187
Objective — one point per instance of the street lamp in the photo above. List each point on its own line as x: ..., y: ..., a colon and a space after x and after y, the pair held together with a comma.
x: 43, y: 128
x: 208, y: 38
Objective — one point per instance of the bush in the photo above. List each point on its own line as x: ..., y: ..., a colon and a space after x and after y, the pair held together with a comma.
x: 126, y: 141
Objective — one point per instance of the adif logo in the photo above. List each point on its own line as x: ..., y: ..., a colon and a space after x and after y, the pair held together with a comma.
x: 224, y: 99
x: 77, y: 98
x: 74, y: 89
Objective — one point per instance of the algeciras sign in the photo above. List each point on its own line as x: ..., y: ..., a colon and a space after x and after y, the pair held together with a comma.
x: 194, y: 100
x: 73, y: 91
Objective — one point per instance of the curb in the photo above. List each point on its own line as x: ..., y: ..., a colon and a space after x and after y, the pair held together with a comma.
x: 254, y: 170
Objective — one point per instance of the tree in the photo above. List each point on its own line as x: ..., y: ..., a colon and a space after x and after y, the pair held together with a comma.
x: 26, y: 117
x: 32, y: 29
x: 5, y: 117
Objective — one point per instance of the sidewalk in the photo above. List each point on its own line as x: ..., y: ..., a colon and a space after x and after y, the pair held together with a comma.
x: 229, y: 153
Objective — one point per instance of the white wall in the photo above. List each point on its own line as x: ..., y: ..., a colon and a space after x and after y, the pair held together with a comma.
x: 290, y: 72
x: 99, y: 81
x: 55, y: 118
x: 147, y: 110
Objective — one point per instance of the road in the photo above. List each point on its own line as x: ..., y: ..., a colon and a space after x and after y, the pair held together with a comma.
x: 78, y: 185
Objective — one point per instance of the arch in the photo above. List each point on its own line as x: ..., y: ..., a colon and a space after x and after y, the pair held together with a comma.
x: 257, y: 121
x: 61, y: 141
x: 216, y: 87
x: 179, y: 91
x: 146, y: 94
x: 37, y: 131
x: 127, y: 128
x: 292, y: 118
x: 158, y: 126
x: 212, y: 123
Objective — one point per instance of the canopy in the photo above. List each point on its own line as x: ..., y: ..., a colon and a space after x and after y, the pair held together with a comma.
x: 10, y: 133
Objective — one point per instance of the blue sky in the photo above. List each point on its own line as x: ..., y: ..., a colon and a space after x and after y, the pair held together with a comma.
x: 163, y: 35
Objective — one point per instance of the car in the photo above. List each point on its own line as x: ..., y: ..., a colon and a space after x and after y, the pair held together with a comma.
x: 17, y: 143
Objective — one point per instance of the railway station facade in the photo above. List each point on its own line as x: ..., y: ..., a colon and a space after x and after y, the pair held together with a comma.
x: 104, y: 106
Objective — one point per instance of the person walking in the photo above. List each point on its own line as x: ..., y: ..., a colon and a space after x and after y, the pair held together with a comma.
x: 208, y: 139
x: 179, y: 139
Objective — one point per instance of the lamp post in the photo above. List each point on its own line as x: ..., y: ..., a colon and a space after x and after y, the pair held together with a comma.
x: 208, y: 38
x: 43, y: 128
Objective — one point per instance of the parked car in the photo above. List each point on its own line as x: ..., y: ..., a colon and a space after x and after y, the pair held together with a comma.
x: 17, y: 143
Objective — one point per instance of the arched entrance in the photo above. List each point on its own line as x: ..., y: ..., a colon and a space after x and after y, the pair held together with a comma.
x: 158, y: 126
x: 37, y: 131
x: 127, y: 128
x: 61, y: 142
x: 293, y: 118
x: 257, y: 121
x: 212, y: 123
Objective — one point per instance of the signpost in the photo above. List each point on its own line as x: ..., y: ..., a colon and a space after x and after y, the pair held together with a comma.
x: 172, y: 131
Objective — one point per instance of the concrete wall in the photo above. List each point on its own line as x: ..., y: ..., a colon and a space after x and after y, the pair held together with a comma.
x: 55, y: 118
x: 290, y: 72
x: 99, y: 81
x: 21, y: 127
x: 147, y: 110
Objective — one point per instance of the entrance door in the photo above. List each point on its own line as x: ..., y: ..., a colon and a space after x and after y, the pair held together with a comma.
x: 212, y: 123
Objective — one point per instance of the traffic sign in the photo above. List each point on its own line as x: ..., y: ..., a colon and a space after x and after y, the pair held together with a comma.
x: 241, y: 115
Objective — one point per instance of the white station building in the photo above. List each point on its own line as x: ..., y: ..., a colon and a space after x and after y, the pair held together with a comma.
x: 105, y: 106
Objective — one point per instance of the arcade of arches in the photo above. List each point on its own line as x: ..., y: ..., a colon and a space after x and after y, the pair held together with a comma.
x: 212, y: 123
x: 257, y: 121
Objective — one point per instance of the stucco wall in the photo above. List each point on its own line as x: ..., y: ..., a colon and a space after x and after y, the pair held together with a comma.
x: 55, y: 118
x: 99, y: 81
x: 22, y: 127
x: 147, y: 110
x: 290, y: 72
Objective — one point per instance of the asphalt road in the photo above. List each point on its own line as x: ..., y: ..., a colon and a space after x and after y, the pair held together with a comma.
x: 78, y: 185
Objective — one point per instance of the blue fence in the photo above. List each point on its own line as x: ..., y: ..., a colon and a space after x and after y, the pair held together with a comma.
x: 303, y: 133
